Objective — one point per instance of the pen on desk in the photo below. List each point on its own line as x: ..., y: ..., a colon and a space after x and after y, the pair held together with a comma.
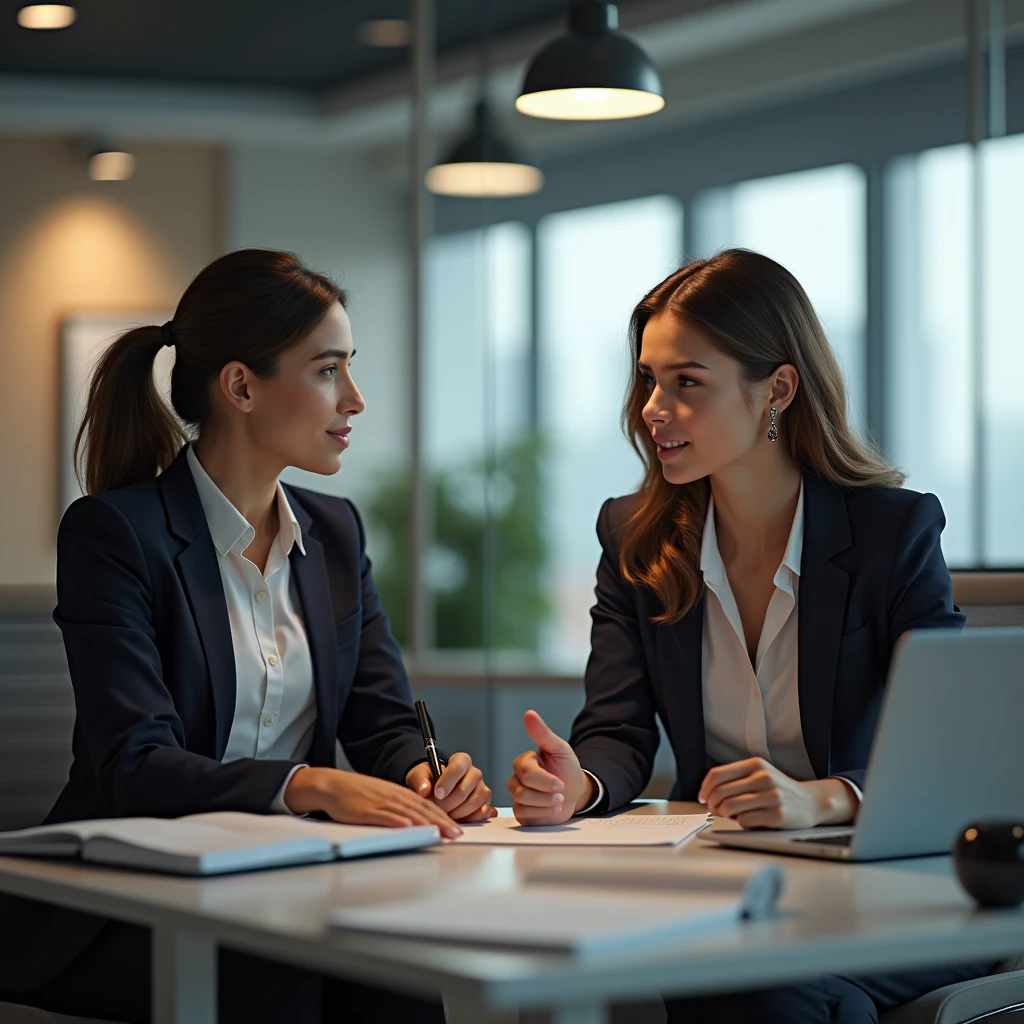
x: 428, y: 740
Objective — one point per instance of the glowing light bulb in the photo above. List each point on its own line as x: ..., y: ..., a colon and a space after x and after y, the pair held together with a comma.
x: 591, y: 95
x: 46, y: 16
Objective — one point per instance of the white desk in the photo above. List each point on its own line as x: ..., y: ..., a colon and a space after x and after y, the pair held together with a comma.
x: 835, y: 918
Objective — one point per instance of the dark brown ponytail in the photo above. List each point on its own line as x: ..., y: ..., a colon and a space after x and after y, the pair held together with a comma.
x: 251, y: 305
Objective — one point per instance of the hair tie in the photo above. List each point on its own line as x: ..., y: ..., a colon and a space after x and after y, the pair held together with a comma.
x: 165, y: 333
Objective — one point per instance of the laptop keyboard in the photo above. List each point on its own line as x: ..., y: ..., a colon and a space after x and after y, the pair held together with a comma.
x: 843, y: 840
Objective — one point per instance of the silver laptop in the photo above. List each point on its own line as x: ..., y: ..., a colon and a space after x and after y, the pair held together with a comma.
x: 949, y: 750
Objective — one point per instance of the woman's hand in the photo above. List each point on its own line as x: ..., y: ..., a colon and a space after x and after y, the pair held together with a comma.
x: 460, y: 791
x: 547, y: 784
x: 356, y: 799
x: 758, y: 795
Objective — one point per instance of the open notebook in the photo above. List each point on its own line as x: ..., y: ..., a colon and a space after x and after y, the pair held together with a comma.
x: 211, y: 844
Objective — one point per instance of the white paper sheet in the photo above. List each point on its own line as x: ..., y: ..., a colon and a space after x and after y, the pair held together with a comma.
x: 623, y: 830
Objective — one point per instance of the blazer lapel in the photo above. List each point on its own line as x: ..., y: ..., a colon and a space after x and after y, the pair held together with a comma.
x: 200, y: 575
x: 679, y: 657
x: 822, y: 611
x: 309, y: 571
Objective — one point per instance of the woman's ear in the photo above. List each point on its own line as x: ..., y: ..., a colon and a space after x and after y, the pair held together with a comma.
x: 234, y: 385
x: 785, y: 381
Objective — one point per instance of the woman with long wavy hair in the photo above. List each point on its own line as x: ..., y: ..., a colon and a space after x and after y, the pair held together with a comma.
x: 749, y: 595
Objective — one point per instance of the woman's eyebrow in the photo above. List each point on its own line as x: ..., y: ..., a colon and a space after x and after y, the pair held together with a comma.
x: 333, y: 353
x: 690, y: 364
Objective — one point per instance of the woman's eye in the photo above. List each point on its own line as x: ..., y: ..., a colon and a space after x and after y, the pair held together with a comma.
x: 685, y: 382
x: 330, y: 371
x: 648, y: 379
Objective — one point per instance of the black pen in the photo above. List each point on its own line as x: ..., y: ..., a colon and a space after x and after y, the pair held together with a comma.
x: 428, y: 740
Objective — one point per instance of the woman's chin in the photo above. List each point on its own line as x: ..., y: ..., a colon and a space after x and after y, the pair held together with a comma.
x: 680, y: 475
x: 322, y: 465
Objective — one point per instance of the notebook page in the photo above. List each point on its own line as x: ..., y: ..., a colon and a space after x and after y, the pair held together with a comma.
x: 185, y: 847
x: 61, y: 840
x: 348, y: 840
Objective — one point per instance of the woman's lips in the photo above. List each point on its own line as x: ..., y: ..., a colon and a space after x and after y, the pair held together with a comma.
x: 670, y: 453
x: 341, y: 436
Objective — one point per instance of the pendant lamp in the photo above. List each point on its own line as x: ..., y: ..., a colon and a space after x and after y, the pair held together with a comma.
x: 591, y: 74
x: 483, y: 165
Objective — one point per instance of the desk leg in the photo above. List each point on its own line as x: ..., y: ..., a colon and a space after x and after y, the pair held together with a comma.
x: 184, y: 977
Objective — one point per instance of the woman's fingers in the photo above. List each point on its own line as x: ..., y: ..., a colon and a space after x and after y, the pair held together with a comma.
x: 535, y: 798
x: 770, y: 817
x: 481, y: 814
x: 479, y: 797
x: 420, y: 779
x: 728, y: 773
x: 528, y: 769
x: 759, y: 782
x: 427, y: 813
x: 745, y: 802
x: 527, y: 815
x: 458, y: 766
x: 461, y: 791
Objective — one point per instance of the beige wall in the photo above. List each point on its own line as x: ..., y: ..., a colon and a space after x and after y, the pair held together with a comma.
x: 68, y: 244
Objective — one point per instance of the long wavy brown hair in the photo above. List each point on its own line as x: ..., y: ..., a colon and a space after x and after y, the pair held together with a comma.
x: 757, y: 313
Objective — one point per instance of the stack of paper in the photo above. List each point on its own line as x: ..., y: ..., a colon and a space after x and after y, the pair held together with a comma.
x: 586, y: 904
x: 574, y: 921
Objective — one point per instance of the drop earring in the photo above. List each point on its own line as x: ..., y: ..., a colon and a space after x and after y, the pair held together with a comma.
x: 773, y: 431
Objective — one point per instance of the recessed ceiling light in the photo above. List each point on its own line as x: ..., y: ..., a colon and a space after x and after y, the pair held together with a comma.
x: 111, y: 165
x: 384, y: 32
x: 47, y: 16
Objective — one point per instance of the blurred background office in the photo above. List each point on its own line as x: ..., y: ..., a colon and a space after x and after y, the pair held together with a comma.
x: 874, y: 147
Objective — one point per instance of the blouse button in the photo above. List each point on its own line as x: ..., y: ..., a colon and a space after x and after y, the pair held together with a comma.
x: 261, y: 596
x: 272, y: 659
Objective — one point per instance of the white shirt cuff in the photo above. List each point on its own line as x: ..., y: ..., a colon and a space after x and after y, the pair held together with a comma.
x: 853, y: 785
x: 600, y: 793
x: 279, y: 806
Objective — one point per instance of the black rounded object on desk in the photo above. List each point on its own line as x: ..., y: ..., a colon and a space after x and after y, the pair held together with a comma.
x: 989, y: 861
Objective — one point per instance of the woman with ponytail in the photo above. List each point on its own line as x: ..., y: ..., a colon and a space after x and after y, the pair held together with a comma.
x: 223, y: 631
x: 749, y: 595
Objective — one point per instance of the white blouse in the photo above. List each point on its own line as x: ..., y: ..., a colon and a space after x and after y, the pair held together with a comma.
x: 751, y: 710
x: 275, y: 703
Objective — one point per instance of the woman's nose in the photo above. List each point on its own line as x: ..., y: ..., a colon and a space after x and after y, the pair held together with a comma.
x: 654, y: 411
x: 352, y: 403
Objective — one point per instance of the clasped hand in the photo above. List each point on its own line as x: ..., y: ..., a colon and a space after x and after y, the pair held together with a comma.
x: 758, y: 795
x: 355, y: 799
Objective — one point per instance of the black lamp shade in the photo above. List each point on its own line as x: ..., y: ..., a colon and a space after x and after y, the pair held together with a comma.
x: 483, y: 164
x: 593, y: 73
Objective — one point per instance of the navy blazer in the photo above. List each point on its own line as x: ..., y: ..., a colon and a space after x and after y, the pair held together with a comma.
x: 871, y: 568
x: 142, y: 609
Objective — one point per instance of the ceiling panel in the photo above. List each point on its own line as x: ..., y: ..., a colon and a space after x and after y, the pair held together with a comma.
x: 307, y: 44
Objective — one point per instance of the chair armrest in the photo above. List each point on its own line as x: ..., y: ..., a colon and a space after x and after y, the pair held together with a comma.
x: 965, y: 1001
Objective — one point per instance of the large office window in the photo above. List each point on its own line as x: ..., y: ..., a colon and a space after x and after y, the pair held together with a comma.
x: 595, y: 263
x: 485, y: 557
x: 929, y: 411
x: 954, y: 417
x: 814, y: 224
